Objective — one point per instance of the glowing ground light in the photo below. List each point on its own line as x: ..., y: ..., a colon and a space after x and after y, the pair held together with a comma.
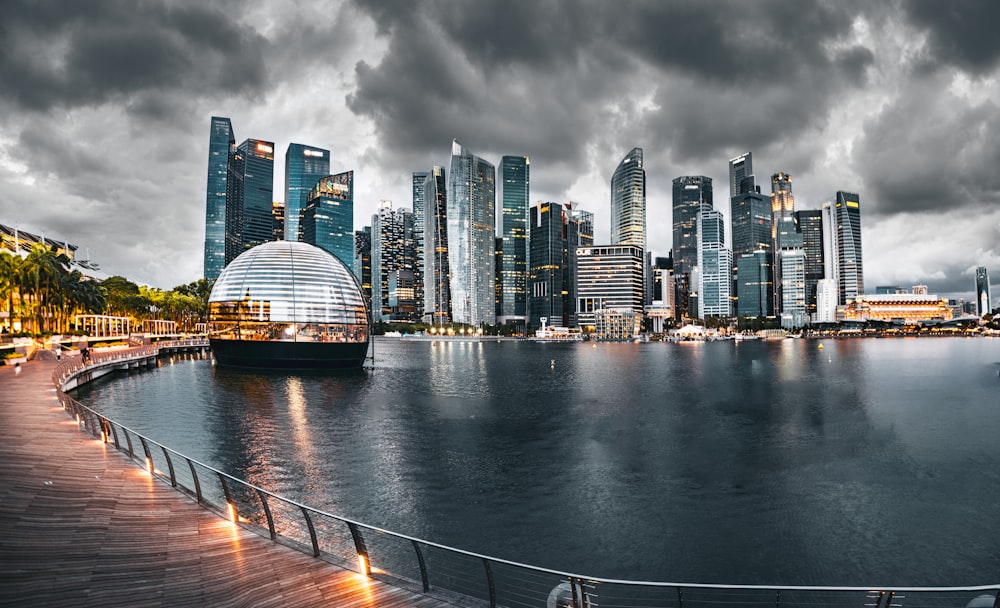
x: 231, y: 510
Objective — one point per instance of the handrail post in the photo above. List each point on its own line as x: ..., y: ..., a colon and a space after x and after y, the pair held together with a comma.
x: 149, y: 457
x: 359, y: 546
x: 170, y: 465
x: 194, y: 475
x: 491, y: 584
x: 230, y: 504
x: 423, y: 566
x: 267, y: 512
x: 312, y: 531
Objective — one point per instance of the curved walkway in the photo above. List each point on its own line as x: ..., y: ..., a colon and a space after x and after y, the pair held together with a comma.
x: 80, y: 525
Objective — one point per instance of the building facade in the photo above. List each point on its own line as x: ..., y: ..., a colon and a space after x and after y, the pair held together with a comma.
x: 753, y: 272
x: 254, y: 169
x: 436, y: 268
x: 850, y: 264
x: 304, y: 167
x: 691, y: 195
x: 608, y: 277
x: 221, y: 149
x: 471, y: 233
x: 741, y: 175
x: 549, y: 276
x: 714, y: 262
x: 982, y: 291
x: 327, y: 221
x: 393, y: 260
x: 790, y: 258
x: 810, y: 223
x: 363, y: 261
x: 515, y: 179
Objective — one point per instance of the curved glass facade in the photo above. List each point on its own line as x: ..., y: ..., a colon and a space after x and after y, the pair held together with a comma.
x: 288, y: 292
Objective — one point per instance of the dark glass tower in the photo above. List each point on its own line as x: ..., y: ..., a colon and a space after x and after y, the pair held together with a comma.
x: 850, y: 263
x: 810, y: 223
x: 437, y: 288
x: 691, y: 195
x: 628, y: 201
x: 254, y: 169
x: 741, y: 174
x: 304, y: 166
x: 328, y: 218
x: 221, y: 147
x: 548, y: 278
x: 393, y: 260
x: 516, y: 182
x: 982, y: 291
x: 363, y: 261
x: 419, y: 218
x: 754, y: 284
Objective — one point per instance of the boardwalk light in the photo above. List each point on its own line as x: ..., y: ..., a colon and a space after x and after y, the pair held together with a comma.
x: 231, y: 511
x: 363, y: 564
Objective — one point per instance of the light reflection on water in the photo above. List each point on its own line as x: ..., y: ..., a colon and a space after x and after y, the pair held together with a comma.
x: 865, y: 462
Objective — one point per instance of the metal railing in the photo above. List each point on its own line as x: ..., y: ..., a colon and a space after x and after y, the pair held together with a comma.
x: 453, y: 574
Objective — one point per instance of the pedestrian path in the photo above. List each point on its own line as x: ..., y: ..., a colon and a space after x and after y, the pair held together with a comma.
x: 81, y: 525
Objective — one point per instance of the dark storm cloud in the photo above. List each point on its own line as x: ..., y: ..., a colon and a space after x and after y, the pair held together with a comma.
x: 69, y: 54
x: 963, y: 34
x: 931, y: 150
x: 553, y: 77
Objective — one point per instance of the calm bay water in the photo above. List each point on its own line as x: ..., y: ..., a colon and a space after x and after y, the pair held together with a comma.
x: 866, y: 462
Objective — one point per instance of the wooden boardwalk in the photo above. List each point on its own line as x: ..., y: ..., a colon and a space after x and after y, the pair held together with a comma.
x: 81, y: 525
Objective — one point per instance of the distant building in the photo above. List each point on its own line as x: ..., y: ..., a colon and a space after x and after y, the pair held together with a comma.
x: 782, y: 199
x: 393, y: 260
x: 363, y: 261
x: 691, y: 195
x: 826, y: 301
x: 304, y: 166
x: 471, y: 230
x: 550, y: 277
x: 918, y: 289
x: 810, y: 226
x: 754, y: 285
x: 982, y: 291
x: 278, y: 221
x: 849, y: 258
x: 608, y: 277
x: 515, y: 181
x: 791, y: 260
x: 254, y: 170
x: 221, y: 149
x: 751, y: 232
x: 881, y: 290
x: 896, y: 308
x: 741, y: 175
x: 715, y: 262
x: 327, y: 221
x: 435, y: 269
x: 628, y: 208
x: 419, y: 184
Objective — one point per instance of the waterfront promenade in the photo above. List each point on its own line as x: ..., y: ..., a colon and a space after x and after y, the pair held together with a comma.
x: 81, y: 525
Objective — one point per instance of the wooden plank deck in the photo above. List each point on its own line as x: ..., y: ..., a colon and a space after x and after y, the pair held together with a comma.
x: 81, y: 525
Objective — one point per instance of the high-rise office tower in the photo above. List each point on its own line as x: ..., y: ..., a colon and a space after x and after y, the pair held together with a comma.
x: 277, y: 220
x: 849, y: 259
x: 714, y: 263
x: 790, y: 258
x: 754, y: 284
x: 515, y: 179
x: 579, y: 233
x: 782, y: 199
x: 254, y: 167
x: 393, y: 260
x: 751, y: 225
x: 810, y: 223
x: 304, y: 166
x: 221, y: 148
x: 419, y: 218
x: 363, y: 261
x: 471, y: 230
x: 549, y: 276
x: 831, y: 244
x: 436, y: 268
x: 982, y: 291
x: 628, y: 207
x: 608, y: 277
x: 741, y: 175
x: 691, y: 195
x: 628, y: 201
x: 327, y: 221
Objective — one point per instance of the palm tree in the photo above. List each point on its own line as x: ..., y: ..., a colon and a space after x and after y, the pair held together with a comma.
x: 10, y: 280
x: 44, y: 269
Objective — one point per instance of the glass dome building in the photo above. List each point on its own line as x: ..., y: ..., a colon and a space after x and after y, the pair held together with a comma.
x: 287, y: 304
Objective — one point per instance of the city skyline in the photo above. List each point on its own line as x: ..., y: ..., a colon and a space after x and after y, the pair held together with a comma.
x: 102, y: 138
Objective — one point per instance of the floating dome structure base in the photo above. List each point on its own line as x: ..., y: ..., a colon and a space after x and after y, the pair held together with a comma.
x: 288, y: 305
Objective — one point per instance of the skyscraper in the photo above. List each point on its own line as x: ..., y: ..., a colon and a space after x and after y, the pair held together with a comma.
x: 714, y: 263
x: 754, y: 284
x: 782, y: 199
x: 608, y: 277
x: 849, y: 259
x: 628, y: 201
x: 304, y: 166
x: 471, y: 230
x: 254, y: 169
x: 741, y: 175
x: 790, y: 258
x: 982, y: 291
x: 419, y: 217
x: 327, y: 221
x: 810, y: 223
x: 437, y: 288
x: 363, y: 261
x: 691, y: 195
x: 549, y: 275
x: 515, y: 179
x: 393, y: 260
x: 221, y: 147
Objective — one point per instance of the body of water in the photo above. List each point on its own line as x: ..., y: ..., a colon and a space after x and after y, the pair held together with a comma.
x: 865, y: 462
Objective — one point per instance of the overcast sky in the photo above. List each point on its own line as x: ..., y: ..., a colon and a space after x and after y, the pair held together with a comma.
x: 105, y: 109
